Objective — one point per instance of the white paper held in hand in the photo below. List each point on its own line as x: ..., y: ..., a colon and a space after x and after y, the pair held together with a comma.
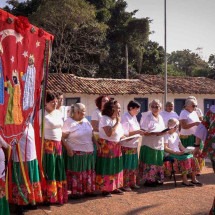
x: 189, y: 149
x: 130, y: 137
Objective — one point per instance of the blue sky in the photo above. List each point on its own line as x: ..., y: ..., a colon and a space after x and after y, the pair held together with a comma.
x: 2, y: 3
x: 189, y: 23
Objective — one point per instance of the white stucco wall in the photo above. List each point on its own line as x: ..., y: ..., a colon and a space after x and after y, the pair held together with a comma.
x: 89, y: 100
x: 200, y: 98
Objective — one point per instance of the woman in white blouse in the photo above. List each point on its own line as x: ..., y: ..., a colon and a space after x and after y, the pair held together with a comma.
x: 96, y: 116
x: 129, y: 147
x: 109, y: 165
x: 53, y: 163
x: 189, y: 120
x: 77, y: 132
x: 152, y: 150
x: 169, y: 113
x: 97, y: 113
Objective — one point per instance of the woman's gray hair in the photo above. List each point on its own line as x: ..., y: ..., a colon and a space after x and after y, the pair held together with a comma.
x: 190, y: 101
x: 192, y: 97
x: 76, y: 107
x: 156, y: 101
x: 169, y: 103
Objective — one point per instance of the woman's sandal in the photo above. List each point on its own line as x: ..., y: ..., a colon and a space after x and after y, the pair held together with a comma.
x: 118, y: 191
x: 197, y: 183
x: 127, y: 189
x: 106, y: 194
x: 187, y: 185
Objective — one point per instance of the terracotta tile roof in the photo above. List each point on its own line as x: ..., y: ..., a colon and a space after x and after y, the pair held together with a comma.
x: 190, y: 85
x: 68, y: 83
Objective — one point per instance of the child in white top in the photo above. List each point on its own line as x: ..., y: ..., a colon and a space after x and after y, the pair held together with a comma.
x: 186, y: 162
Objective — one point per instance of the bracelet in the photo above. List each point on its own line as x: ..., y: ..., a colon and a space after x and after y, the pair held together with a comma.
x: 195, y: 145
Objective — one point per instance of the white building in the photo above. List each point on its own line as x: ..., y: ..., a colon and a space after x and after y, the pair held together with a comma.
x: 144, y: 90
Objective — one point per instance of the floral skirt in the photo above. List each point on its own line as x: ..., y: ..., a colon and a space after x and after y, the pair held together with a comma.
x: 150, y: 165
x: 81, y: 173
x: 189, y: 141
x: 184, y: 167
x: 130, y: 166
x: 54, y: 170
x: 20, y: 194
x: 109, y: 166
x: 4, y: 206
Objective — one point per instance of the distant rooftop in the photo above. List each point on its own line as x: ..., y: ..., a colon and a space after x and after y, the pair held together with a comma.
x: 180, y: 84
x: 68, y: 83
x: 146, y: 84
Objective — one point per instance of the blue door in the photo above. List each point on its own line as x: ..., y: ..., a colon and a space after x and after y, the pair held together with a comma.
x: 144, y: 106
x: 179, y: 105
x: 207, y: 104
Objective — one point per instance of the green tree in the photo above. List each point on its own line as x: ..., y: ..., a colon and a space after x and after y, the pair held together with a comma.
x: 78, y: 36
x: 23, y: 8
x: 103, y: 7
x: 153, y: 58
x: 123, y: 30
x: 188, y: 62
x: 211, y: 63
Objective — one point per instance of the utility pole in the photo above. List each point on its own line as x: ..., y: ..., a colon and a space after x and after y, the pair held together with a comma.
x: 165, y: 63
x: 126, y: 59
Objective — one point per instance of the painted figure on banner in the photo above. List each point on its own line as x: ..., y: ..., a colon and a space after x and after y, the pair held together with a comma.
x: 17, y: 110
x: 10, y: 90
x: 14, y: 112
x: 29, y: 78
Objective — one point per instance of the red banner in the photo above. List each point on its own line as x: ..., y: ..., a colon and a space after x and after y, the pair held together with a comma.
x: 24, y: 55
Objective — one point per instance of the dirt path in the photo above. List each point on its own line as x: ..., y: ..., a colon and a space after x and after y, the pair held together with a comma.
x: 161, y: 200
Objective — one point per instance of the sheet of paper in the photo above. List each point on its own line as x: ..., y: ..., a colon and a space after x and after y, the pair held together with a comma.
x: 130, y: 137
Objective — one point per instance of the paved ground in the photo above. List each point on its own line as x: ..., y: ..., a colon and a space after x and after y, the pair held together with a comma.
x: 161, y: 200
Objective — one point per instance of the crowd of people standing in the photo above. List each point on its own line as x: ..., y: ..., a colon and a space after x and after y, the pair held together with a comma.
x: 86, y: 158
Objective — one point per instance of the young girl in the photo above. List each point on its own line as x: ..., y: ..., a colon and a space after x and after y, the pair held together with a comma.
x: 186, y: 163
x: 4, y: 207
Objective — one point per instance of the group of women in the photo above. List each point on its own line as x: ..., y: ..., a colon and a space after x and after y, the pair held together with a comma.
x: 103, y: 155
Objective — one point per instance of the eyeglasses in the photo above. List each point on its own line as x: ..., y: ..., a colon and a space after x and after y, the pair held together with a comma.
x: 194, y: 106
x: 156, y: 107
